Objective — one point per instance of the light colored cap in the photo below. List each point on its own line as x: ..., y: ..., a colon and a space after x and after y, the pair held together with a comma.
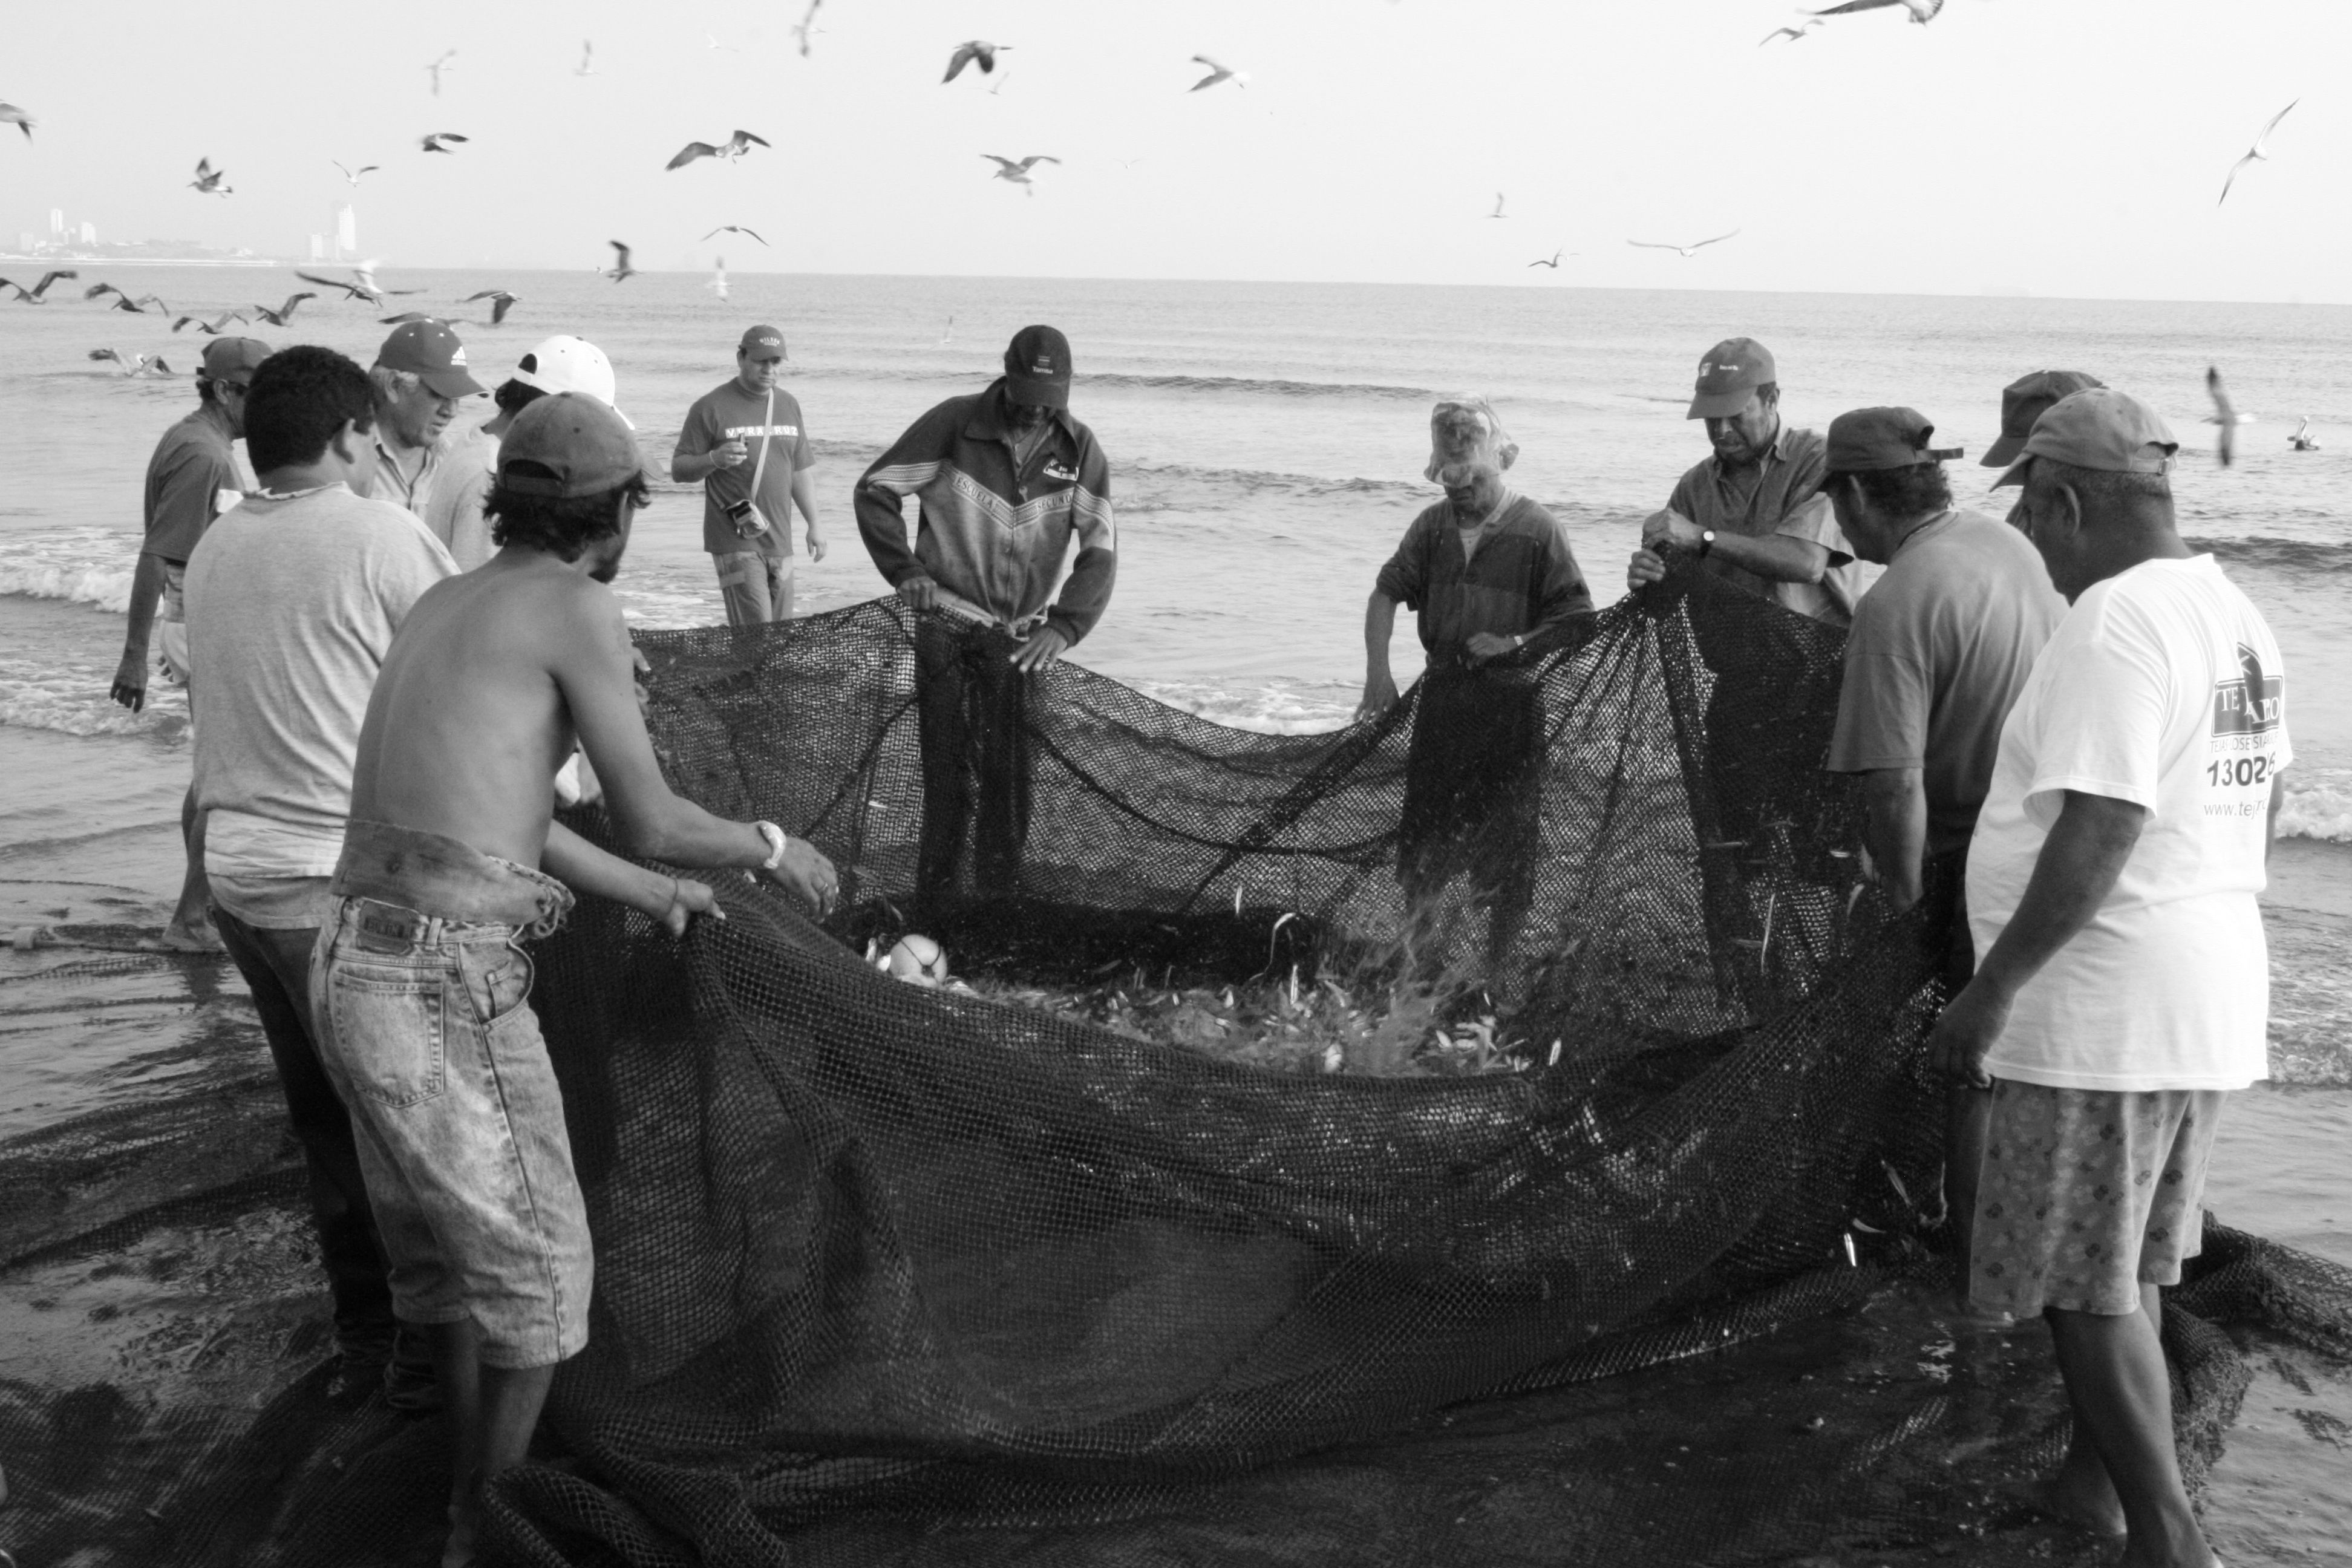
x: 235, y: 359
x: 566, y: 364
x: 2099, y: 428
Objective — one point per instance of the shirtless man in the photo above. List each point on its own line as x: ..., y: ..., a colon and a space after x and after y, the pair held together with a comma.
x: 449, y: 862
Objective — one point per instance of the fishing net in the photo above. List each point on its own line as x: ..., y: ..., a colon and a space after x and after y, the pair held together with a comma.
x: 888, y: 1274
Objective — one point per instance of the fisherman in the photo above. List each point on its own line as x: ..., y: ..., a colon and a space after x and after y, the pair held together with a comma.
x: 748, y: 494
x: 450, y: 862
x: 1489, y: 574
x: 1940, y: 647
x: 2122, y: 987
x: 2025, y: 400
x: 293, y: 598
x: 192, y: 474
x: 1007, y: 479
x: 419, y: 380
x: 559, y: 364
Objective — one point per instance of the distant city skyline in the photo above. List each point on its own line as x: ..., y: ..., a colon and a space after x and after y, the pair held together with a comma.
x: 2006, y: 148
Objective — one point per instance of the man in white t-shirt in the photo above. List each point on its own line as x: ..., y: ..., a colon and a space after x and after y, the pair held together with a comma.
x: 2124, y: 987
x: 292, y: 598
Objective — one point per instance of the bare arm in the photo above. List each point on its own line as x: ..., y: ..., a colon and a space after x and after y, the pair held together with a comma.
x: 131, y: 676
x: 804, y: 497
x: 1380, y: 686
x: 1782, y: 557
x: 2079, y: 863
x: 1895, y: 831
x: 584, y: 868
x: 2278, y: 798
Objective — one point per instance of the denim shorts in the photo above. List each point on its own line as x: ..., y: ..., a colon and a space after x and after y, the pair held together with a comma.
x: 426, y: 1030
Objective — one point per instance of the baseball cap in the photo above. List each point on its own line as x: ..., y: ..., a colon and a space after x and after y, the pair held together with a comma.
x: 1872, y: 440
x: 757, y: 341
x: 1038, y: 368
x: 1728, y: 372
x: 582, y: 447
x: 1456, y: 432
x: 431, y: 350
x: 2100, y: 428
x: 566, y: 364
x: 2021, y: 403
x: 233, y: 359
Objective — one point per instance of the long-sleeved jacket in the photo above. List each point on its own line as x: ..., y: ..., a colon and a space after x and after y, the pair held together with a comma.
x: 993, y: 531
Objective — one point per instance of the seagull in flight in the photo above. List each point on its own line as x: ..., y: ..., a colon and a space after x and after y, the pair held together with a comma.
x: 1554, y: 262
x: 1218, y: 73
x: 1922, y: 11
x: 351, y: 176
x: 736, y: 228
x: 284, y: 313
x: 1791, y: 34
x: 587, y: 66
x: 33, y: 296
x: 2258, y: 153
x: 1006, y: 169
x: 12, y: 115
x: 1499, y: 205
x: 620, y: 270
x: 974, y: 49
x: 125, y: 302
x: 433, y: 142
x: 209, y: 181
x: 362, y: 285
x: 742, y: 141
x: 2225, y: 415
x: 134, y: 365
x: 1694, y: 245
x: 211, y: 328
x: 437, y: 67
x: 500, y: 303
x: 802, y: 30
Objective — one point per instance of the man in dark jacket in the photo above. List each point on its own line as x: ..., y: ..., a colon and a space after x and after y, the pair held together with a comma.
x: 1006, y: 479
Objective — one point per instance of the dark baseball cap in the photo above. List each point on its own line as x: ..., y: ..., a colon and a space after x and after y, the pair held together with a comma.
x: 1038, y: 368
x: 577, y: 443
x: 1728, y: 373
x: 233, y: 360
x: 2100, y: 428
x: 763, y: 343
x: 433, y: 352
x: 2021, y: 403
x: 1873, y: 440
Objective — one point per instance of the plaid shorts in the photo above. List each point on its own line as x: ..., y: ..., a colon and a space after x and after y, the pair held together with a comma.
x: 2087, y: 1195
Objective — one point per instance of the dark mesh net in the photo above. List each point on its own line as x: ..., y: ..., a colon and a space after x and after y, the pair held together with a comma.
x: 887, y: 1274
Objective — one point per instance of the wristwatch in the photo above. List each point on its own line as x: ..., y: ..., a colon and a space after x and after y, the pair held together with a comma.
x: 777, y: 839
x: 1705, y: 542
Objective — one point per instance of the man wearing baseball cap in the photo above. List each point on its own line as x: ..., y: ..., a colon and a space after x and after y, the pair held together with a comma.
x: 450, y: 859
x: 559, y: 364
x: 1940, y: 647
x: 1749, y: 512
x: 1007, y: 479
x: 418, y: 380
x: 747, y: 443
x: 193, y: 476
x: 2025, y: 400
x: 2122, y: 986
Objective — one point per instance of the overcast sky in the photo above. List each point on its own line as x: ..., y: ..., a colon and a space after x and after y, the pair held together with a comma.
x: 2062, y: 147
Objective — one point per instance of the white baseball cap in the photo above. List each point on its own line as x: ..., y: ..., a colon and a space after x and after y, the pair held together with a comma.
x: 567, y: 364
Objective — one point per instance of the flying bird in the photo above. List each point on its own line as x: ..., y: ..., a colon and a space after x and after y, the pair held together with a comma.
x: 134, y: 365
x: 209, y: 180
x: 1686, y: 250
x: 500, y: 303
x: 1791, y: 34
x: 437, y: 67
x: 12, y: 115
x: 284, y: 313
x: 736, y: 228
x: 1218, y: 73
x: 2302, y: 440
x: 211, y: 328
x: 587, y: 66
x: 2225, y: 416
x: 803, y: 29
x: 33, y: 296
x: 433, y: 143
x: 979, y: 50
x: 125, y: 302
x: 362, y: 285
x: 352, y: 175
x: 2257, y: 154
x: 1553, y: 263
x: 1006, y: 169
x: 1922, y: 11
x: 742, y: 141
x: 1499, y: 205
x: 408, y: 316
x: 620, y: 270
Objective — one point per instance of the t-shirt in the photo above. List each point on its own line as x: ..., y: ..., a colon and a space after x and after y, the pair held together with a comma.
x: 1940, y: 648
x: 445, y: 492
x: 726, y: 412
x: 1519, y: 578
x: 1778, y: 493
x: 2163, y: 687
x: 193, y: 464
x: 291, y: 604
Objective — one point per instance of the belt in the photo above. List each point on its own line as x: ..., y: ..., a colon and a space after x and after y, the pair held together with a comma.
x: 402, y: 924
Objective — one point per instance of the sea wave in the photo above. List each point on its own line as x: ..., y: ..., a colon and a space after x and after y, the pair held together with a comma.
x: 77, y: 565
x: 2299, y: 555
x: 1268, y: 386
x: 1271, y: 710
x: 71, y: 699
x: 2318, y: 804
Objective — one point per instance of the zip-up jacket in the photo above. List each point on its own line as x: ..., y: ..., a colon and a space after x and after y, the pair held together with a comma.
x: 991, y: 531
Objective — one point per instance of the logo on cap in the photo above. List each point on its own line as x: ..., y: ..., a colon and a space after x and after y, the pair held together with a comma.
x: 1043, y: 367
x: 457, y: 355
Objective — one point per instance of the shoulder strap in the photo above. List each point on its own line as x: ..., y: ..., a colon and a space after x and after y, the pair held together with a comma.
x: 767, y: 424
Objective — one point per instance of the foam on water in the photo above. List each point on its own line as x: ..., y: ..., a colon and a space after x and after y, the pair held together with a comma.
x: 2318, y: 804
x: 77, y: 565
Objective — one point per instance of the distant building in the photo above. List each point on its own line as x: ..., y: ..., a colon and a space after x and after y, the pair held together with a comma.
x: 89, y: 233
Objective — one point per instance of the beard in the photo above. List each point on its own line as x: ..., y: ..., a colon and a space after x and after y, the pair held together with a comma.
x: 608, y: 568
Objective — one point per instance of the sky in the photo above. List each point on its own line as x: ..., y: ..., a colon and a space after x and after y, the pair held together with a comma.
x: 2057, y: 147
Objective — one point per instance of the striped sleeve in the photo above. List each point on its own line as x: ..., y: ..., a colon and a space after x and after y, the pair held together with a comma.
x: 1087, y: 593
x: 912, y: 462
